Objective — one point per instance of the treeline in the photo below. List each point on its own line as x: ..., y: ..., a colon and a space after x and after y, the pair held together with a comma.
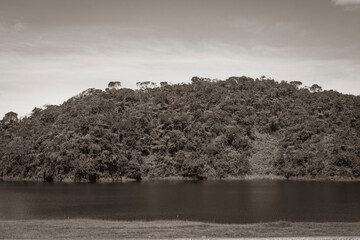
x: 204, y: 130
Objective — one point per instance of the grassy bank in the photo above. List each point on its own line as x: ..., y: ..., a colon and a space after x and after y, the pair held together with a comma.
x: 95, y: 229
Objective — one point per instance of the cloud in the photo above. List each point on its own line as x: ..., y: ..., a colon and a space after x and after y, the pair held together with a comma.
x: 15, y: 27
x: 348, y: 4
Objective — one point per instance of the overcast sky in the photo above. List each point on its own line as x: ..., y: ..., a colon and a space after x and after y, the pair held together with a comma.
x: 50, y: 50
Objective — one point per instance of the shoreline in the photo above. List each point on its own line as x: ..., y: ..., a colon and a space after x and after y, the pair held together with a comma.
x: 269, y: 177
x: 93, y: 228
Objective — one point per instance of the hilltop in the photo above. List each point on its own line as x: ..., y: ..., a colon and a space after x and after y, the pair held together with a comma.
x: 204, y: 130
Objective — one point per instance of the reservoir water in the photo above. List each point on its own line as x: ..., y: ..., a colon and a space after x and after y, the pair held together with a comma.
x: 210, y: 201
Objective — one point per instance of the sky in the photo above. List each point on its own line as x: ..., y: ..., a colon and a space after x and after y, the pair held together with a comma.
x: 51, y: 50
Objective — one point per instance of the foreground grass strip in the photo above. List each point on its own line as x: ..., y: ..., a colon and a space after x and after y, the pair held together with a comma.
x: 95, y: 229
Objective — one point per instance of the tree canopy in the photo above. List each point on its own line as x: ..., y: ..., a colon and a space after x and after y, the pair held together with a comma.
x: 206, y: 129
x: 114, y: 85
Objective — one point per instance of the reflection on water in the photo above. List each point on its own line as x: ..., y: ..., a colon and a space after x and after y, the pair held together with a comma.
x: 214, y: 201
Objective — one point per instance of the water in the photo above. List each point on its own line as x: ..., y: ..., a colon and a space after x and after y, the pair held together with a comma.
x: 210, y: 201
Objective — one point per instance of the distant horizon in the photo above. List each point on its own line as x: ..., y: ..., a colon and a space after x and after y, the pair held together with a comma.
x: 52, y: 50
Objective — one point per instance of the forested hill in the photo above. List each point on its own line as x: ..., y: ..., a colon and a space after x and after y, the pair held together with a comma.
x: 207, y: 129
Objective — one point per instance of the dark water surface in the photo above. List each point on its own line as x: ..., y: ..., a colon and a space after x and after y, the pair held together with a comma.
x: 210, y: 201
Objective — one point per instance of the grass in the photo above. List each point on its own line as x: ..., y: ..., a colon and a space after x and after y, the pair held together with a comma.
x: 95, y: 229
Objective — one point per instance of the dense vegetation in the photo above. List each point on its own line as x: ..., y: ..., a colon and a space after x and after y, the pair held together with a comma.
x: 206, y: 129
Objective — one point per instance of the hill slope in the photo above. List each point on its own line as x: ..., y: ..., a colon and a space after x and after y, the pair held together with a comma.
x: 206, y: 129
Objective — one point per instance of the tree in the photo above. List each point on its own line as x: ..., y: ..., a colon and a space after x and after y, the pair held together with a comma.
x: 163, y: 84
x: 195, y: 80
x: 153, y: 85
x: 296, y: 83
x: 133, y: 170
x: 114, y: 85
x: 115, y: 165
x: 315, y: 88
x: 143, y: 85
x: 193, y: 166
x: 10, y: 117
